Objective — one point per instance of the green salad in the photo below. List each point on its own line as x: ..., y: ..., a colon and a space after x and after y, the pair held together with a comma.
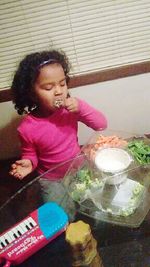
x: 85, y: 185
x: 140, y: 151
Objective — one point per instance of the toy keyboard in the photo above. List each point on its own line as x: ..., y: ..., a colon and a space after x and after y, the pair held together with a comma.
x: 31, y: 234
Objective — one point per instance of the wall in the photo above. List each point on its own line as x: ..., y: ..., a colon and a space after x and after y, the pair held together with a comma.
x: 125, y: 102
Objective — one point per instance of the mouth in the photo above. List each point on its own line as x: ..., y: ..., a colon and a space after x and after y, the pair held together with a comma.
x: 58, y: 103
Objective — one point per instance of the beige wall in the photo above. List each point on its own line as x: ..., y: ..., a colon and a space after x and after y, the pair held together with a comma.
x: 126, y: 103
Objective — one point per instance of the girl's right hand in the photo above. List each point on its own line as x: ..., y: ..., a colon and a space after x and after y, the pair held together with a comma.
x: 21, y: 168
x: 71, y: 104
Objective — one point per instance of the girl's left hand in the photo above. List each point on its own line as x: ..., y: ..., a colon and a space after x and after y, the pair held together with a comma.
x: 71, y: 104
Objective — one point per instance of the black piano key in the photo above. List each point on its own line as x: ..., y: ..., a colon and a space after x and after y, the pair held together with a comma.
x: 7, y: 242
x: 2, y: 244
x: 19, y: 233
x: 27, y: 227
x: 31, y: 224
x: 15, y: 235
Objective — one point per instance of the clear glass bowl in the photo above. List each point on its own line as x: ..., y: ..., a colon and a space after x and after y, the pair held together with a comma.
x: 97, y: 193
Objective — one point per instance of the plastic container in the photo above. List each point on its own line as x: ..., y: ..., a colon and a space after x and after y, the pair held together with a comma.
x: 118, y: 195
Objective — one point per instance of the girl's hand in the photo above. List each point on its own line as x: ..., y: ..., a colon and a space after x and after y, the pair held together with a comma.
x: 71, y: 104
x: 21, y: 168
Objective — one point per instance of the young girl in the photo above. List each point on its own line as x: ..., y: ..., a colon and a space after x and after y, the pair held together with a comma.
x: 48, y: 132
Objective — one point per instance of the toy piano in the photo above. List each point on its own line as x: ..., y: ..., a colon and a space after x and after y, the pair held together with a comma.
x: 31, y: 234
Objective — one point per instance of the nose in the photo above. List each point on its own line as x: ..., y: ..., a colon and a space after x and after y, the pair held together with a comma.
x: 58, y: 90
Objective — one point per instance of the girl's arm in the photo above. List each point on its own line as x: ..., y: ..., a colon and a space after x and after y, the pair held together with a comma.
x: 28, y: 150
x: 87, y: 114
x: 28, y: 161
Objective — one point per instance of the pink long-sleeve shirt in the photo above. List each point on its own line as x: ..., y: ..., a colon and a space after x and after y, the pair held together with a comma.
x: 50, y: 141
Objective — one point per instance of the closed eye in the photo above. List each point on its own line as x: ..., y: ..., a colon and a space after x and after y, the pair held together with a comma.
x: 63, y: 83
x: 47, y: 87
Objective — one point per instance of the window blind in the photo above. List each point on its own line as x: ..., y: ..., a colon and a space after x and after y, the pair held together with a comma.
x: 96, y: 35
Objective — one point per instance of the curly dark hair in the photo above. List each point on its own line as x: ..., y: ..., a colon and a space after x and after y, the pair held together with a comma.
x: 27, y: 73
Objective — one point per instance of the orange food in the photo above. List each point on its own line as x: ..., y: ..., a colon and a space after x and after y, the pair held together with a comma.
x: 102, y: 142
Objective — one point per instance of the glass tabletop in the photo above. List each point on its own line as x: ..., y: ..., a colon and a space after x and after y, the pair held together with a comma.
x: 117, y: 245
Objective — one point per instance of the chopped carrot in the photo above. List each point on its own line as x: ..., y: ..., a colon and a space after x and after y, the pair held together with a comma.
x: 102, y: 142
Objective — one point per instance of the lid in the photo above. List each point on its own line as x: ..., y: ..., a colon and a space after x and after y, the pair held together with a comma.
x: 78, y: 233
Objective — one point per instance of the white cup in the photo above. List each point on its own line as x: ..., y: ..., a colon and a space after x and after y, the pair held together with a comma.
x: 113, y: 163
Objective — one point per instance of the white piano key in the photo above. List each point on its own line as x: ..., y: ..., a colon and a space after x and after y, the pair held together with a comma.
x: 11, y: 235
x: 7, y: 238
x: 23, y: 226
x: 19, y: 230
x: 28, y: 226
x: 3, y: 242
x: 32, y: 221
x: 15, y: 233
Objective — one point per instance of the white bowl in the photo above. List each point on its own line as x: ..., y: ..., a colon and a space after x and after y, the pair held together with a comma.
x: 113, y: 162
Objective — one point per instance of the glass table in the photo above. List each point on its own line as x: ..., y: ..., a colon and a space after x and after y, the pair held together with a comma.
x: 118, y: 246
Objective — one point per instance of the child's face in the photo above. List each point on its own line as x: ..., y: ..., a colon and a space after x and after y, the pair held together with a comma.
x: 50, y: 87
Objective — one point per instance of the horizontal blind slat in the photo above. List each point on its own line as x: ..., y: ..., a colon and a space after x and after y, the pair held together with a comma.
x: 94, y: 34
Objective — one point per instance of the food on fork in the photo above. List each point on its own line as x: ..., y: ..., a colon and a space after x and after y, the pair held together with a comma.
x: 58, y: 103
